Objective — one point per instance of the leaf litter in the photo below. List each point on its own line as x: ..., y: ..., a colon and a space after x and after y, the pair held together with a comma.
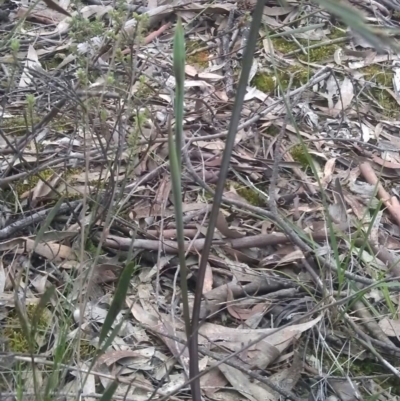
x: 86, y: 192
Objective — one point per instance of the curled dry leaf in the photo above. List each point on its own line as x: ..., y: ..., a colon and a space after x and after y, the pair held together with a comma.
x: 223, y: 227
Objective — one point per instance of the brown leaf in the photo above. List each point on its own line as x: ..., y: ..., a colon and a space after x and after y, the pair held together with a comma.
x: 242, y: 313
x: 385, y: 163
x: 51, y: 251
x: 213, y: 381
x: 42, y: 190
x: 106, y: 273
x: 54, y: 6
x: 328, y: 171
x: 45, y: 16
x: 223, y: 227
x: 245, y: 385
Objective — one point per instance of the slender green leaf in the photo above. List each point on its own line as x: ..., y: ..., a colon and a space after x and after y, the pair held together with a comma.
x: 118, y: 301
x: 109, y: 392
x: 111, y: 337
x: 226, y: 158
x: 179, y: 72
x: 23, y: 319
x: 44, y: 299
x: 48, y: 221
x: 176, y: 164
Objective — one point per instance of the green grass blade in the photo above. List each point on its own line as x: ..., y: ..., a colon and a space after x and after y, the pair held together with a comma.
x: 109, y: 392
x: 111, y: 337
x: 48, y: 221
x: 175, y: 148
x: 44, y: 300
x: 179, y: 72
x: 24, y: 321
x: 118, y: 300
x: 230, y: 142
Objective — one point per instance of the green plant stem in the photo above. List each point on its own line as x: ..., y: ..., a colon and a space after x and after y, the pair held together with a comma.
x: 176, y: 166
x: 230, y: 141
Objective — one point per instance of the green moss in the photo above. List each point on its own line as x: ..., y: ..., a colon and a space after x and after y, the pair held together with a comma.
x: 283, y: 45
x: 16, y: 340
x: 337, y: 33
x: 383, y: 78
x: 71, y: 172
x: 313, y: 55
x: 264, y: 82
x: 267, y: 83
x: 61, y: 124
x: 12, y: 332
x: 29, y: 183
x: 298, y: 154
x: 378, y: 74
x: 318, y: 54
x: 251, y: 195
x: 390, y: 107
x: 198, y: 59
x: 52, y: 63
x: 43, y: 321
x: 86, y: 350
x: 273, y: 130
x: 369, y: 367
x: 17, y: 125
x: 300, y: 76
x: 29, y: 26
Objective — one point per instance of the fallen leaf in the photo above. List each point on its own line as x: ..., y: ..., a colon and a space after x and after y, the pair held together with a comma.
x: 54, y: 6
x: 246, y: 386
x: 345, y: 98
x: 242, y: 313
x: 385, y: 163
x: 390, y: 327
x: 31, y: 62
